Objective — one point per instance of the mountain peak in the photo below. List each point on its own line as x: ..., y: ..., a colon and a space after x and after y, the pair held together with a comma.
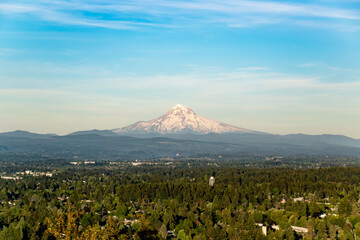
x: 181, y: 108
x: 179, y: 119
x: 180, y: 111
x: 178, y: 106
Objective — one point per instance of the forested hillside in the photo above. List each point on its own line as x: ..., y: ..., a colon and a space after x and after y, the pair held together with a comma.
x: 172, y: 200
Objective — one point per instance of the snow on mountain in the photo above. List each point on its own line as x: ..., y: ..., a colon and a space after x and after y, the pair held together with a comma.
x: 180, y: 119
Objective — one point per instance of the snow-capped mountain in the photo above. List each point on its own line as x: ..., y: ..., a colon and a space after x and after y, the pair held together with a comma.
x: 180, y: 119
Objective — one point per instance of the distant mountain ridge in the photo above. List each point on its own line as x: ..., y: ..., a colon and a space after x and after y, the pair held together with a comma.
x: 180, y: 130
x: 94, y: 146
x: 105, y: 133
x: 26, y: 134
x: 180, y: 120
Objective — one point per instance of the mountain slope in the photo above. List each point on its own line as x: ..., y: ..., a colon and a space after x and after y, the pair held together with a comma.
x: 94, y: 146
x: 26, y: 134
x: 180, y: 120
x: 105, y: 133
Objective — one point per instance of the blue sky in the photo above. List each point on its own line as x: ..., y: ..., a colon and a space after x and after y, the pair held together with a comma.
x: 273, y: 66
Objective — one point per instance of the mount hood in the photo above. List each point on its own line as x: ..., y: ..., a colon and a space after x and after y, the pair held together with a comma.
x: 180, y: 120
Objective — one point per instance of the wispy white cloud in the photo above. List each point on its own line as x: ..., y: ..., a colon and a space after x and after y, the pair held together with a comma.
x: 207, y: 80
x: 11, y: 8
x: 54, y: 14
x: 10, y: 51
x: 252, y: 81
x: 327, y: 66
x: 264, y: 7
x: 166, y: 13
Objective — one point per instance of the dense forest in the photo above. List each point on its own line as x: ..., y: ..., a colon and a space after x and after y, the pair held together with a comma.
x: 172, y: 199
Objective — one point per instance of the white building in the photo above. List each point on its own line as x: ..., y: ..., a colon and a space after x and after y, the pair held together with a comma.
x: 211, y: 181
